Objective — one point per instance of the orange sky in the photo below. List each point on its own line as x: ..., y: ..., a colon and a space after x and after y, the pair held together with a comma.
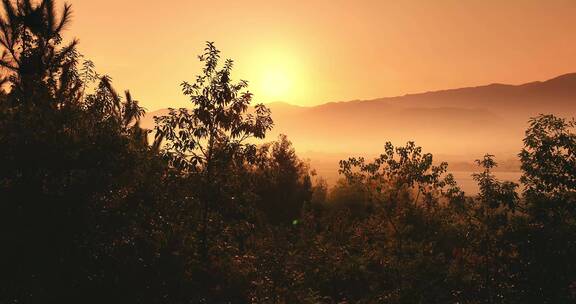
x: 312, y: 52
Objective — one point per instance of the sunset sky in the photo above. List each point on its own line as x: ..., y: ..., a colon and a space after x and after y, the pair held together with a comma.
x: 312, y: 52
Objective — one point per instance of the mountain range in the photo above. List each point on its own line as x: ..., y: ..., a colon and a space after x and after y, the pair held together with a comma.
x: 456, y: 123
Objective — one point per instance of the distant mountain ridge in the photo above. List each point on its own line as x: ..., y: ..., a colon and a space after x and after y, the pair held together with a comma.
x: 462, y: 121
x: 561, y: 90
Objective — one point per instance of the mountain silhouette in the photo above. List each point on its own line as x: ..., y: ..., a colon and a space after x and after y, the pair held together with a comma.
x: 467, y: 121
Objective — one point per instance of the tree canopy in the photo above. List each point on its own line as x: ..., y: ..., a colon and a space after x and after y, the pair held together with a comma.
x: 91, y: 211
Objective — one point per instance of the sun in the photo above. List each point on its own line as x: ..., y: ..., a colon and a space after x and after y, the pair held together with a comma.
x: 277, y: 73
x: 275, y: 84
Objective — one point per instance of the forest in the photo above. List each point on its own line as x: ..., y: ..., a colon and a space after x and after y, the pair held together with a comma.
x: 205, y: 209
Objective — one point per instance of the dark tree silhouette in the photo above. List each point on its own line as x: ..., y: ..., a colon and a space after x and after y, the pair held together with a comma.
x: 283, y: 181
x: 71, y: 167
x: 92, y: 212
x: 489, y: 217
x: 207, y: 138
x: 395, y: 183
x: 402, y: 169
x: 548, y: 239
x: 36, y: 66
x: 549, y: 164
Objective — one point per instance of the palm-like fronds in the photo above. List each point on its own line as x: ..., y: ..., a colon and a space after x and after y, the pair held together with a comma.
x: 127, y: 112
x: 25, y: 25
x: 132, y: 111
x: 64, y: 20
x: 42, y: 19
x: 106, y: 83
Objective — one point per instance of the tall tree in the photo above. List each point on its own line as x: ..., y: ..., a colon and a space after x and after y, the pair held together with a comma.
x: 283, y: 181
x: 406, y: 188
x: 549, y: 167
x: 37, y: 66
x: 72, y: 167
x: 204, y: 140
x: 489, y: 221
x: 549, y: 239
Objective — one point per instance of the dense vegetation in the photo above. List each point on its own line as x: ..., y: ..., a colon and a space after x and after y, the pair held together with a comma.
x: 95, y: 209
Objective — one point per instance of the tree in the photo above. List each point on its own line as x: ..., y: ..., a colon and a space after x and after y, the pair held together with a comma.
x: 549, y: 168
x: 206, y: 139
x: 283, y: 182
x: 489, y: 223
x: 402, y: 169
x: 548, y: 242
x: 218, y: 125
x: 73, y: 170
x: 107, y: 107
x: 406, y: 224
x: 38, y: 70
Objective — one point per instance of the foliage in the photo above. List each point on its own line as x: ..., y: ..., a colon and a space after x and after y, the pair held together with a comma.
x: 283, y: 182
x: 548, y: 236
x: 204, y: 142
x: 218, y: 125
x: 549, y: 166
x: 36, y: 66
x: 401, y: 169
x: 549, y: 156
x: 92, y: 212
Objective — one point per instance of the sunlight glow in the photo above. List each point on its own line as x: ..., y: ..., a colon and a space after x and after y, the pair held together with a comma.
x: 275, y: 84
x: 276, y: 72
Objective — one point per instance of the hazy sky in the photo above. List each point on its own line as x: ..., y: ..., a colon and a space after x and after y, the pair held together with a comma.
x: 311, y: 52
